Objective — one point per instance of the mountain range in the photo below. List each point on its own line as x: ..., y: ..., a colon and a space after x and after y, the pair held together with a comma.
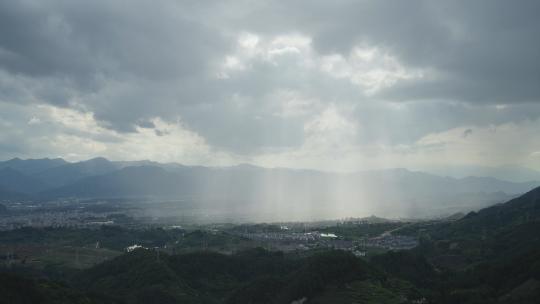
x: 392, y: 192
x: 513, y: 173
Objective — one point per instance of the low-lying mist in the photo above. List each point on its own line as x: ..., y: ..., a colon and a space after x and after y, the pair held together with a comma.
x: 258, y: 194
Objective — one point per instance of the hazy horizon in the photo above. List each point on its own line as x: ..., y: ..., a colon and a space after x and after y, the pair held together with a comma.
x: 250, y: 193
x: 459, y: 171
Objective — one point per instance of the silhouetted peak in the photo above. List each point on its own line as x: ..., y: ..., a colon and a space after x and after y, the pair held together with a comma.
x: 97, y: 160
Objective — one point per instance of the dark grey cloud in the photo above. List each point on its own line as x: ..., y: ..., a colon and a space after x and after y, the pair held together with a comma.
x: 485, y: 51
x: 128, y: 63
x: 114, y: 38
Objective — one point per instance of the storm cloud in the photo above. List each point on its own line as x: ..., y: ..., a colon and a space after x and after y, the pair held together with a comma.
x: 338, y: 85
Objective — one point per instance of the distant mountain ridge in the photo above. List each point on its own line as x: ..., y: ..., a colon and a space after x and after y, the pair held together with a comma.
x: 32, y: 166
x: 259, y: 189
x: 70, y: 172
x: 125, y: 182
x: 16, y: 181
x: 512, y: 173
x: 11, y: 195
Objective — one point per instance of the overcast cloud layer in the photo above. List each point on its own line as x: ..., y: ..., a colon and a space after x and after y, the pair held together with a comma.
x: 332, y: 85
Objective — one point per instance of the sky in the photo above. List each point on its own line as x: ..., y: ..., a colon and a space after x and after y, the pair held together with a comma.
x: 330, y: 85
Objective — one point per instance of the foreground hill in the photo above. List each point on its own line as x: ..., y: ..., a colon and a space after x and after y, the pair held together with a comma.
x: 491, y: 256
x: 253, y: 276
x: 513, y: 222
x: 250, y: 276
x: 521, y: 210
x: 15, y: 289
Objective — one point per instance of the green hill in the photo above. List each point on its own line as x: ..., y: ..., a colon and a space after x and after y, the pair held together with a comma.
x: 15, y: 289
x: 488, y: 256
